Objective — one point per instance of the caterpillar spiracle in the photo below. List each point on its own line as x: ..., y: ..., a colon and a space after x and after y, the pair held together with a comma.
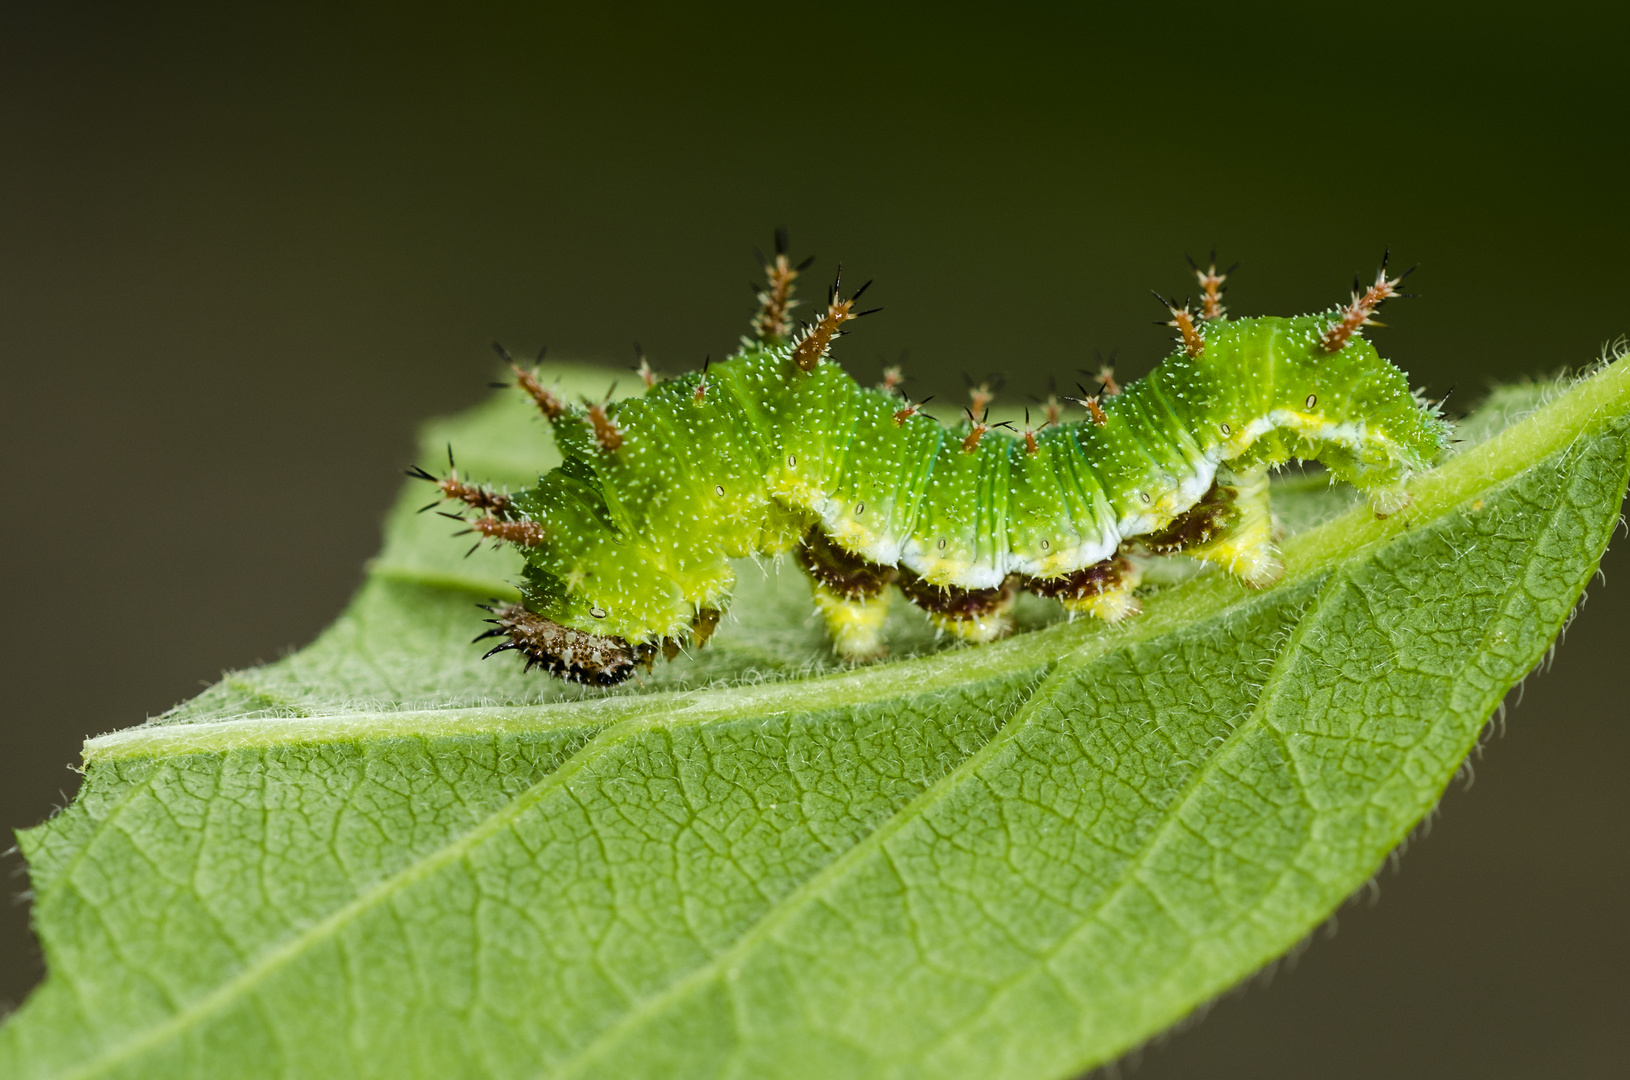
x: 776, y: 450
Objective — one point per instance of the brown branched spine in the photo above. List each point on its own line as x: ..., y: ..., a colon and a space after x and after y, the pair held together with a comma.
x: 775, y: 303
x: 1193, y: 343
x: 1052, y: 409
x: 980, y: 426
x: 480, y: 496
x: 1211, y: 288
x: 892, y: 378
x: 911, y: 409
x: 524, y: 532
x: 814, y: 342
x: 606, y: 431
x: 1106, y: 379
x: 984, y: 394
x: 1094, y: 407
x: 643, y: 370
x: 701, y: 383
x: 1031, y: 447
x: 1357, y: 314
x: 548, y: 403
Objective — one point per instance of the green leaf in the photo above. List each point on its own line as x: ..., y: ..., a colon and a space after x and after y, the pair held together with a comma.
x: 382, y: 857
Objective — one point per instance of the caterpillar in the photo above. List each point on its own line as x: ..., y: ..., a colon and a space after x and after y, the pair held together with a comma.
x: 776, y: 450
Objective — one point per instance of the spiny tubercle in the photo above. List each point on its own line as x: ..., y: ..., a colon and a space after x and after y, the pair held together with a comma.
x: 606, y: 431
x: 815, y: 342
x: 524, y: 532
x: 1193, y: 343
x: 1357, y: 314
x: 548, y: 402
x: 1211, y: 290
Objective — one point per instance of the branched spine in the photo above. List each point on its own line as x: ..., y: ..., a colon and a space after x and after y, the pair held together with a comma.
x: 815, y: 342
x: 1357, y: 313
x: 775, y: 302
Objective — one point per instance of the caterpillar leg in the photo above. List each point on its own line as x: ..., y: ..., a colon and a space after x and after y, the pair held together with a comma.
x: 855, y: 625
x: 1230, y: 526
x: 1102, y: 590
x: 851, y: 595
x: 560, y: 650
x: 975, y: 615
x: 1386, y: 501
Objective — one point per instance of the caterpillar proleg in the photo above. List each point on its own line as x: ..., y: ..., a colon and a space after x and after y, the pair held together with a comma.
x: 777, y: 451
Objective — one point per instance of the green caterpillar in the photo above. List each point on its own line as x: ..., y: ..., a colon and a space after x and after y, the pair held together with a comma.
x: 776, y: 450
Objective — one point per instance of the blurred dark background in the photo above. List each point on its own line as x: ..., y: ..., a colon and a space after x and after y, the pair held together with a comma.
x: 242, y: 256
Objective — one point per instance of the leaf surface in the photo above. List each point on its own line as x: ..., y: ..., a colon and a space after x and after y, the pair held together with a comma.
x: 381, y: 857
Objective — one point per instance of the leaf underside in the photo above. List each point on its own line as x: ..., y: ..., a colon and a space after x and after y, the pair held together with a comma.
x: 381, y: 857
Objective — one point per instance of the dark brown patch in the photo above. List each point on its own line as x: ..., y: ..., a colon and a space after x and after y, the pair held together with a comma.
x: 840, y: 572
x: 1199, y: 524
x: 703, y: 625
x: 950, y: 602
x: 1083, y: 584
x: 571, y: 654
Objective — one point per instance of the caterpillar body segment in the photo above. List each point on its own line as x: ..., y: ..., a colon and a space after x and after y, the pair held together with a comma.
x: 777, y: 451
